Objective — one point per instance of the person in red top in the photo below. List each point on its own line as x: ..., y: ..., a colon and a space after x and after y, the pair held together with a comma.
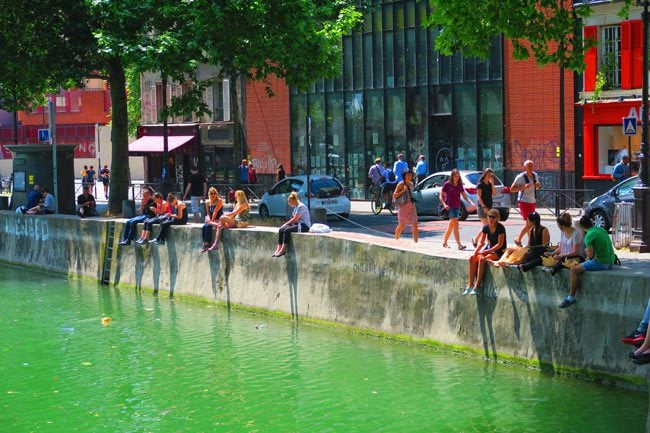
x: 252, y: 174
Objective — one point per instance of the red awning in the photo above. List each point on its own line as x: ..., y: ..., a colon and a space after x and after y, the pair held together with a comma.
x: 154, y: 143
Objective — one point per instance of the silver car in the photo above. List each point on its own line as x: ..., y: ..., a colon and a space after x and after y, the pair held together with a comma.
x: 326, y: 192
x: 427, y: 194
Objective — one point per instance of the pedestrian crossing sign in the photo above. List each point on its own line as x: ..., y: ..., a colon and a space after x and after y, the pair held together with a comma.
x: 629, y: 125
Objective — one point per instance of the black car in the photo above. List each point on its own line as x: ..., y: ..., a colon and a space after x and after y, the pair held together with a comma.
x: 601, y: 208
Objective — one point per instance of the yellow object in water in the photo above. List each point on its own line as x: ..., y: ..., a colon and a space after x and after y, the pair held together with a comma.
x: 106, y: 321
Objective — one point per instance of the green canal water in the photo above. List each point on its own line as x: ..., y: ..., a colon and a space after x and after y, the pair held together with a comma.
x: 167, y: 365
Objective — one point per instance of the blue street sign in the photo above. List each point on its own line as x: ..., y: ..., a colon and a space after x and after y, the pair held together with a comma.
x: 44, y: 135
x: 629, y: 125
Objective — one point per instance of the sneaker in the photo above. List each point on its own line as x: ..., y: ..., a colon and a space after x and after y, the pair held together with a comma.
x: 473, y: 292
x: 634, y: 338
x: 548, y: 270
x: 157, y: 242
x: 140, y: 241
x: 126, y: 242
x: 566, y: 303
x: 467, y: 290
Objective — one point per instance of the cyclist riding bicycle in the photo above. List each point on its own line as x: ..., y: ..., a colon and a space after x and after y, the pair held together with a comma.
x: 388, y: 186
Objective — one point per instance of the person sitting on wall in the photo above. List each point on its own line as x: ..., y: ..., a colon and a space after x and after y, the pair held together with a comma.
x: 213, y: 211
x: 600, y: 255
x: 539, y: 238
x: 45, y: 207
x: 147, y: 210
x: 491, y: 245
x: 638, y: 336
x: 86, y: 206
x: 621, y: 171
x: 162, y: 211
x: 238, y: 218
x: 177, y: 217
x: 571, y: 243
x: 300, y: 221
x: 33, y: 199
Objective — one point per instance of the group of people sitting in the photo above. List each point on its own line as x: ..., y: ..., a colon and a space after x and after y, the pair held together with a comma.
x: 39, y: 202
x: 581, y: 249
x: 172, y: 211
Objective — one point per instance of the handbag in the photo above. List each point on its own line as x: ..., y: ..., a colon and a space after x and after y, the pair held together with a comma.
x: 404, y: 198
x: 442, y: 212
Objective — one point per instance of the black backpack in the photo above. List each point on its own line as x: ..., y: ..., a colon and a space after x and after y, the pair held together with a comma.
x: 391, y: 176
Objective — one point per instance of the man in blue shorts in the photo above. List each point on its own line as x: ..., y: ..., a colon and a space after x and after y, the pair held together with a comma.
x: 600, y: 257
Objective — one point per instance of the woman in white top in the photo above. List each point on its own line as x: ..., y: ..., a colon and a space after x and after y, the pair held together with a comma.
x: 571, y: 243
x: 299, y: 222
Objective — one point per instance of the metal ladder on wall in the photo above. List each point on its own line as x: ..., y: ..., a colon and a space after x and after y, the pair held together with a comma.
x: 108, y: 253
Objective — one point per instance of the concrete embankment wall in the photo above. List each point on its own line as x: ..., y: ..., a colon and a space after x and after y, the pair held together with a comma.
x: 374, y: 288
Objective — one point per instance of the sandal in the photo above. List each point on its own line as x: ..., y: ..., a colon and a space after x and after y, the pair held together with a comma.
x: 474, y: 243
x: 445, y: 245
x: 518, y: 243
x: 461, y: 247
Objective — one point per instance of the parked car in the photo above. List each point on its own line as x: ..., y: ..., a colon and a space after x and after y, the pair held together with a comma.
x: 601, y: 208
x: 325, y: 192
x: 427, y: 194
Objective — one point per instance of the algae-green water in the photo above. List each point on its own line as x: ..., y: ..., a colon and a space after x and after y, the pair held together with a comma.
x: 166, y: 365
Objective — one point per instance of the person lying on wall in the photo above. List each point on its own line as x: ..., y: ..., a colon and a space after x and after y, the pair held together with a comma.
x: 300, y: 221
x: 86, y: 206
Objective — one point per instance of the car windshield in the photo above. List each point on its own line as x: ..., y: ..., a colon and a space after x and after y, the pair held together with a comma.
x: 324, y: 188
x: 626, y: 187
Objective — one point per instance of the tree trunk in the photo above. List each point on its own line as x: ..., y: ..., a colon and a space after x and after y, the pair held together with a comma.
x: 239, y: 145
x: 120, y: 172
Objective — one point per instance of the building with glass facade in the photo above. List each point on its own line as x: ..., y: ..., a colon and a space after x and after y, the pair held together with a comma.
x: 397, y: 95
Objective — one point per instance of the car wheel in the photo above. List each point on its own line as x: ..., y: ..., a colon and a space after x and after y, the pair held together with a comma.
x: 263, y: 211
x: 463, y: 213
x: 600, y: 219
x: 343, y: 216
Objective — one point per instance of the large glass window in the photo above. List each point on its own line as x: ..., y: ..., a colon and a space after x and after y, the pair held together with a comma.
x: 612, y: 145
x: 298, y: 115
x: 367, y: 61
x: 491, y: 126
x: 217, y: 100
x: 378, y: 61
x: 375, y: 138
x: 395, y: 122
x: 347, y: 62
x: 465, y: 116
x: 318, y: 145
x: 335, y: 129
x: 410, y: 57
x: 389, y: 60
x: 416, y: 123
x: 357, y: 62
x: 355, y: 166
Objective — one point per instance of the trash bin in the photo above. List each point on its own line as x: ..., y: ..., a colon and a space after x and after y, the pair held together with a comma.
x: 622, y: 222
x: 128, y: 208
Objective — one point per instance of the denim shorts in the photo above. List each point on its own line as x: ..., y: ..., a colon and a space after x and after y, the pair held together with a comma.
x: 454, y: 212
x: 595, y: 265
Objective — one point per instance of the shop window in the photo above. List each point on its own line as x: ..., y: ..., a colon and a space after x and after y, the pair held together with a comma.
x: 612, y: 145
x: 609, y: 63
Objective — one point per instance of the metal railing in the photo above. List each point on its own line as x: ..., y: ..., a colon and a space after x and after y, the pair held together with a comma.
x: 622, y: 224
x: 557, y: 200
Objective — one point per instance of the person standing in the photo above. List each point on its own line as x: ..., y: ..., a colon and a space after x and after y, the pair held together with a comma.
x: 526, y: 184
x: 376, y: 172
x: 421, y: 169
x: 600, y: 255
x: 485, y: 191
x: 105, y: 176
x: 243, y: 172
x: 90, y: 178
x: 406, y: 212
x: 197, y: 188
x: 252, y: 174
x: 280, y: 174
x: 399, y: 167
x: 450, y: 195
x: 621, y: 171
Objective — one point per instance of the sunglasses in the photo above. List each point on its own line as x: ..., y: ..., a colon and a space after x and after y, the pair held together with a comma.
x: 492, y: 217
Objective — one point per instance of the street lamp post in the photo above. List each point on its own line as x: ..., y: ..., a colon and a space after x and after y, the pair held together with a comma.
x: 641, y: 231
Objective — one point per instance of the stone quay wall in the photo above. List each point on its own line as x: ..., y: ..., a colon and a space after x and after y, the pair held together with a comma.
x: 380, y: 290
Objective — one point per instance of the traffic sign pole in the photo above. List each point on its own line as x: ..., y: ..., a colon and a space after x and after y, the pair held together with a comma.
x: 51, y: 107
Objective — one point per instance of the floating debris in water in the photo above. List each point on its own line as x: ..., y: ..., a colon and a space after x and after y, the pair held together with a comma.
x: 87, y: 363
x: 106, y: 321
x: 261, y: 325
x: 67, y: 329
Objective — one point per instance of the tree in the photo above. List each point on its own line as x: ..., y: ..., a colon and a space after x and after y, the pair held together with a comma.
x: 41, y: 50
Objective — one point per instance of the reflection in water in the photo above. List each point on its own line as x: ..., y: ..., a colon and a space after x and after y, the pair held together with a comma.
x: 177, y: 365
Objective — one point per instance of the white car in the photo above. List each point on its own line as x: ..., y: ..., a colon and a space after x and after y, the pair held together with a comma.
x: 325, y: 192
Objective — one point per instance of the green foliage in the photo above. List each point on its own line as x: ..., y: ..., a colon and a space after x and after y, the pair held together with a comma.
x: 601, y: 83
x: 547, y: 30
x: 133, y: 101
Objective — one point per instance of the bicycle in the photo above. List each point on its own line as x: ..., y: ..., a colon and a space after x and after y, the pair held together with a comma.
x: 377, y: 202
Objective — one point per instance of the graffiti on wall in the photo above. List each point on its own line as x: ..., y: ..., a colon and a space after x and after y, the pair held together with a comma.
x: 545, y: 155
